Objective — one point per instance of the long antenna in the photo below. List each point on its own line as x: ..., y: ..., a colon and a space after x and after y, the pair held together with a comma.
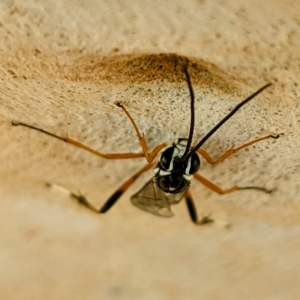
x: 206, y: 137
x: 192, y: 124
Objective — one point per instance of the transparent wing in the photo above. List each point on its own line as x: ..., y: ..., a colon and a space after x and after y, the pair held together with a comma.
x: 152, y: 199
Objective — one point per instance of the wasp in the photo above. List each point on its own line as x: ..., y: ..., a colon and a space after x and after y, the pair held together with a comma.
x: 178, y: 163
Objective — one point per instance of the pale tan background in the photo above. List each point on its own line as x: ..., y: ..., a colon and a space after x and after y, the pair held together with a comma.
x: 63, y: 64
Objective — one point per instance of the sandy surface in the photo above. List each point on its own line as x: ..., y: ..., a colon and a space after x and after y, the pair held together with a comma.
x: 64, y: 64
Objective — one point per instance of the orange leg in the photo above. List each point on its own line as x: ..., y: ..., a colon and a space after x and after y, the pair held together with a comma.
x: 193, y: 212
x: 218, y: 190
x: 232, y: 150
x: 150, y: 157
x: 115, y: 196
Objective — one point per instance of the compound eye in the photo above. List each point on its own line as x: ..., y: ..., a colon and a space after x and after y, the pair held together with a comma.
x: 166, y: 159
x: 194, y: 164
